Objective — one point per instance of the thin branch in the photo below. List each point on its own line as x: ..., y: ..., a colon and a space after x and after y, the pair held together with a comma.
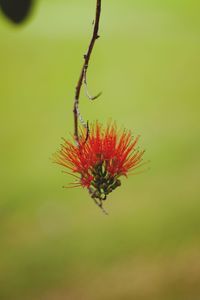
x: 86, y: 89
x: 87, y: 133
x: 95, y: 36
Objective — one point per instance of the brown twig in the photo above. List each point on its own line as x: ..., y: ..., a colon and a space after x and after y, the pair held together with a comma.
x: 95, y: 36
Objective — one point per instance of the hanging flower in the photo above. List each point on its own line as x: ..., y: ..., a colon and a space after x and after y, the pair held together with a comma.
x: 98, y: 162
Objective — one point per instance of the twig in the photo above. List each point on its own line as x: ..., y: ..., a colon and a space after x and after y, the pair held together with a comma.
x: 86, y: 88
x: 95, y: 36
x: 87, y: 133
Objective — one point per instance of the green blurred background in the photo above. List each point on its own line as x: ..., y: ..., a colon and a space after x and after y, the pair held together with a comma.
x: 55, y: 244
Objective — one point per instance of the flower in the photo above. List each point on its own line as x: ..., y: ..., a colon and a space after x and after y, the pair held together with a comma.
x: 99, y: 161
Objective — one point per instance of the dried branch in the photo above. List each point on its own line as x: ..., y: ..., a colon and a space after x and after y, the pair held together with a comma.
x: 95, y: 36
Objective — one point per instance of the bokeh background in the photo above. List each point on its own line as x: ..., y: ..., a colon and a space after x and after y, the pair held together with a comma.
x: 55, y: 244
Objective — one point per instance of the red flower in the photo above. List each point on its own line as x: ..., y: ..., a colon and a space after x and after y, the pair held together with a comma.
x: 99, y: 162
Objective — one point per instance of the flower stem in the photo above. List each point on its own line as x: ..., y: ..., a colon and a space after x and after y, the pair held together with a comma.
x: 95, y: 36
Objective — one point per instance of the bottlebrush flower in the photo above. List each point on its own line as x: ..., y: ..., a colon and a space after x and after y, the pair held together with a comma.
x: 100, y: 161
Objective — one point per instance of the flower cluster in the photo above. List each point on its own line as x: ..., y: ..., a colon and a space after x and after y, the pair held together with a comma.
x: 99, y: 161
